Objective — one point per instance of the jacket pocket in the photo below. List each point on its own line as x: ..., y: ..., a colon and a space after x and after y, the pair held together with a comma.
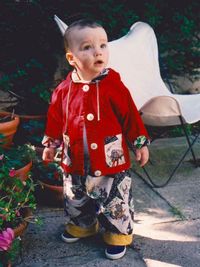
x: 114, y: 153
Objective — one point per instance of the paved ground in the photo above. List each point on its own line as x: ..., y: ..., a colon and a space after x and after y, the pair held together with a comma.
x: 167, y: 226
x: 169, y: 236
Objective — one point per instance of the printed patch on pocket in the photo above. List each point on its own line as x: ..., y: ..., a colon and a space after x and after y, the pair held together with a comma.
x: 113, y: 150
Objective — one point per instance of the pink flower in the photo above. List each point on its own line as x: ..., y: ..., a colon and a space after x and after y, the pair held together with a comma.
x: 3, y: 217
x: 12, y: 173
x: 6, y: 239
x: 17, y: 213
x: 1, y: 156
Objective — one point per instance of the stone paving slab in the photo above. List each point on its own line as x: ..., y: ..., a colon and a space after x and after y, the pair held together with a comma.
x: 171, y: 244
x: 150, y: 207
x: 43, y: 247
x: 162, y: 237
x: 174, y: 242
x: 183, y: 192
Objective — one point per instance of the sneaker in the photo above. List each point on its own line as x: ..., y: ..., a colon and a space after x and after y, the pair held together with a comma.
x: 66, y: 237
x: 115, y: 252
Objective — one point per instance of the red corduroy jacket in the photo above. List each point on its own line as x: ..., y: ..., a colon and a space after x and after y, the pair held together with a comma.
x: 107, y: 112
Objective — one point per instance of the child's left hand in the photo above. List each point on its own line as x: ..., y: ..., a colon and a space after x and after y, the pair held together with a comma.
x: 142, y: 155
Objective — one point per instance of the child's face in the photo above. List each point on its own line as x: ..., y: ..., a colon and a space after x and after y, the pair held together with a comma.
x: 88, y: 51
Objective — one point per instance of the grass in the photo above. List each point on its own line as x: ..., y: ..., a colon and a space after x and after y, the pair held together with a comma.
x: 178, y: 213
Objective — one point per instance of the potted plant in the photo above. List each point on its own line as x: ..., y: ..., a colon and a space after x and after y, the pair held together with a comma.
x: 17, y: 201
x: 8, y: 127
x: 19, y: 159
x: 50, y: 177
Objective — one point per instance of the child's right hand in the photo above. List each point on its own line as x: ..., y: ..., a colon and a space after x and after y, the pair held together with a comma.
x: 48, y: 154
x: 142, y: 155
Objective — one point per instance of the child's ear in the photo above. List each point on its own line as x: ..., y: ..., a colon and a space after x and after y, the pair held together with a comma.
x: 69, y: 57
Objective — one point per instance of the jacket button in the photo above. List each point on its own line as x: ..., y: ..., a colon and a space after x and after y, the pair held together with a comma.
x: 93, y: 146
x: 90, y: 117
x: 97, y: 173
x: 85, y: 88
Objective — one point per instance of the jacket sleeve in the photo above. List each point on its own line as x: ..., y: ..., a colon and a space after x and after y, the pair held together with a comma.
x: 129, y: 118
x: 54, y: 125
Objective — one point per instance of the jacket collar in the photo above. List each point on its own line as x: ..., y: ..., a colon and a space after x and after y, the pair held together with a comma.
x: 76, y: 79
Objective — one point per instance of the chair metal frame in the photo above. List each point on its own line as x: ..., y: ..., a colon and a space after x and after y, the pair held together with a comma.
x: 190, y: 141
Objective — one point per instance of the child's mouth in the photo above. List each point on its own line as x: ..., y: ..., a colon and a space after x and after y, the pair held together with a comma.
x: 98, y: 62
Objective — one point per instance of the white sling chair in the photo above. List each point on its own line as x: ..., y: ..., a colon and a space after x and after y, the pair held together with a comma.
x: 135, y: 57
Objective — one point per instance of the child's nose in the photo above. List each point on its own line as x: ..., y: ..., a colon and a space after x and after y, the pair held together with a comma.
x: 97, y: 51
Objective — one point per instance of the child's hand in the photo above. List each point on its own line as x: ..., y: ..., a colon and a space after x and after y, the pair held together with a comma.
x: 48, y: 154
x: 142, y: 155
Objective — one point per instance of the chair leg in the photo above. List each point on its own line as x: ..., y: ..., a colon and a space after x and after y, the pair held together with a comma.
x: 188, y: 141
x: 190, y: 149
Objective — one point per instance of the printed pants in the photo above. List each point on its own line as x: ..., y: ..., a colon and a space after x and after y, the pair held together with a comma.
x: 108, y: 199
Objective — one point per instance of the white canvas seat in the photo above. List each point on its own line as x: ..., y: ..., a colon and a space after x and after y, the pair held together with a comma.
x: 135, y: 57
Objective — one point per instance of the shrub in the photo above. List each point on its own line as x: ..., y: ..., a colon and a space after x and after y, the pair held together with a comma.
x: 32, y: 40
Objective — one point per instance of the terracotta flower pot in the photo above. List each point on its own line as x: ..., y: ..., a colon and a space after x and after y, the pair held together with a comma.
x: 54, y: 190
x: 8, y: 129
x: 51, y: 194
x: 22, y: 173
x: 20, y: 229
x: 24, y: 117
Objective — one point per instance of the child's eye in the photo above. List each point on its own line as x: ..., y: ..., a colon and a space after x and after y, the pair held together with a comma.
x: 103, y: 45
x: 86, y: 47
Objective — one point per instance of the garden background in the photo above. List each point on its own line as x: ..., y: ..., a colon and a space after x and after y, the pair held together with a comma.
x: 32, y: 53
